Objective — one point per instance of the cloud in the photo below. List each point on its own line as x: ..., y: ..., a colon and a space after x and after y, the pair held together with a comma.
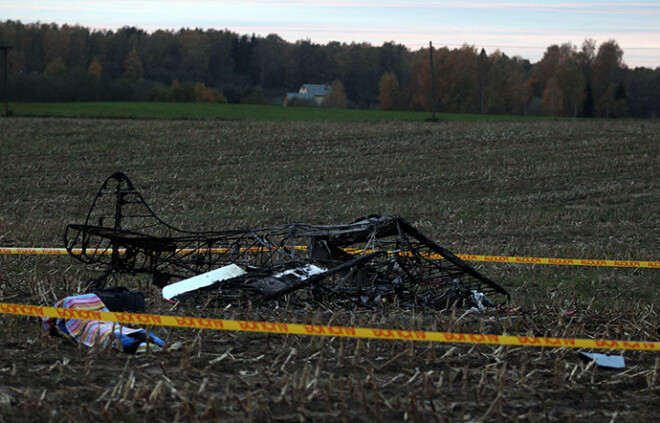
x: 620, y: 8
x: 624, y: 8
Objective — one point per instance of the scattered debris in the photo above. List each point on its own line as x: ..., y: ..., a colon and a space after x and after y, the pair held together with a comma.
x: 119, y: 298
x: 478, y: 302
x: 373, y: 260
x: 96, y: 333
x: 604, y: 361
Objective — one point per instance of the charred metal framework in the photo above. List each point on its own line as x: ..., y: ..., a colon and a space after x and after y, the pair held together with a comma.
x: 373, y: 259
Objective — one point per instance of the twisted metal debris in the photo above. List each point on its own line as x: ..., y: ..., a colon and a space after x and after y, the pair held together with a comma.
x: 373, y: 260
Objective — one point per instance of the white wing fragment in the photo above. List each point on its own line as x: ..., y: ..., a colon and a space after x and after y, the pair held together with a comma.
x: 200, y: 281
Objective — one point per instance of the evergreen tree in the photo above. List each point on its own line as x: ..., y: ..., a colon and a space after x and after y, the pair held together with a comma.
x: 133, y: 66
x: 95, y: 70
x: 588, y: 106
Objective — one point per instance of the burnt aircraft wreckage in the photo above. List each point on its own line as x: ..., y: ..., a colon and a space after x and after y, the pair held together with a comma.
x: 373, y: 260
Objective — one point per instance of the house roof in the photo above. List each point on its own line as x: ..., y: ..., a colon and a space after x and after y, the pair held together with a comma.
x: 316, y: 89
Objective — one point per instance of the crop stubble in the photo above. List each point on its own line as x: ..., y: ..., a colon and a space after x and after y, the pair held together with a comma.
x: 553, y: 189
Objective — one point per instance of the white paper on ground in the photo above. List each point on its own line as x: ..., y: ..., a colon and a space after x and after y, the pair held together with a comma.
x: 607, y: 361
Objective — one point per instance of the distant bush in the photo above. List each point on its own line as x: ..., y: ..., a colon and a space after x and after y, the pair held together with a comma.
x: 255, y: 97
x: 188, y: 92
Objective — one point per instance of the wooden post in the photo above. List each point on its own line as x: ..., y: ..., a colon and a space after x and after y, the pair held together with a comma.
x: 432, y: 81
x: 5, y: 49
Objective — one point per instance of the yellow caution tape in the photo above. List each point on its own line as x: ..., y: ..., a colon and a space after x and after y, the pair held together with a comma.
x: 466, y: 257
x: 320, y: 330
x: 18, y: 250
x: 562, y: 261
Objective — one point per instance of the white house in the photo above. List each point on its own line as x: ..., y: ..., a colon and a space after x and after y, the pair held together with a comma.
x: 316, y: 92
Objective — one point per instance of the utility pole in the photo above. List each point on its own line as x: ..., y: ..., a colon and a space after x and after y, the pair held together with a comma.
x: 432, y: 81
x: 5, y: 49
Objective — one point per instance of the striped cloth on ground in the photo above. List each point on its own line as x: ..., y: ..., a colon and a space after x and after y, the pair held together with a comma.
x: 89, y: 332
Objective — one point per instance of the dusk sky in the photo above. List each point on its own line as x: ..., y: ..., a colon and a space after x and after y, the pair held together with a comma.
x: 515, y: 27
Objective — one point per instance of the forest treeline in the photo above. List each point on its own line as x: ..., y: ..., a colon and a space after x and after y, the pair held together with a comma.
x: 48, y: 62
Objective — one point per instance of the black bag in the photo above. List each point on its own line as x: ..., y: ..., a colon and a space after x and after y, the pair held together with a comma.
x: 119, y: 298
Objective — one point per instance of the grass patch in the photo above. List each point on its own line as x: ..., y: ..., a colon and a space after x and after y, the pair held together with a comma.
x: 153, y: 110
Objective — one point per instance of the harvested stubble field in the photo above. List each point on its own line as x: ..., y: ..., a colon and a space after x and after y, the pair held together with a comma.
x: 545, y: 189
